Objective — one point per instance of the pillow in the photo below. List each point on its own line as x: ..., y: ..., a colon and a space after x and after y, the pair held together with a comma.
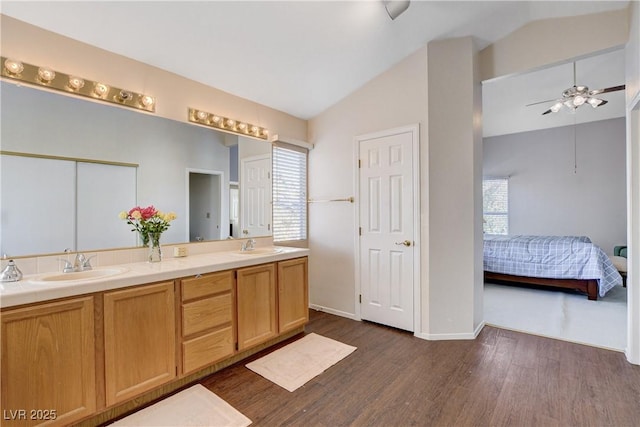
x: 620, y: 263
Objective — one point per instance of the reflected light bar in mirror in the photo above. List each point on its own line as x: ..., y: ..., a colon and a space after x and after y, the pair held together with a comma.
x: 46, y: 77
x: 227, y: 125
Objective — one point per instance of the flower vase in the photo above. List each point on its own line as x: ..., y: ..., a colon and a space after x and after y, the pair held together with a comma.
x: 144, y: 238
x: 155, y: 253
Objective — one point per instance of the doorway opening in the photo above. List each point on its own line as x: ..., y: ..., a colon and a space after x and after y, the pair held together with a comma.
x: 204, y: 206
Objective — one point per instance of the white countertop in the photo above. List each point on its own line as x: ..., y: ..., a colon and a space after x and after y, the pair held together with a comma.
x: 30, y: 289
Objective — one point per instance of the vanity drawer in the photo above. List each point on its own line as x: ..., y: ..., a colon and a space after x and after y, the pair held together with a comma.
x: 206, y: 313
x: 207, y: 349
x: 207, y: 284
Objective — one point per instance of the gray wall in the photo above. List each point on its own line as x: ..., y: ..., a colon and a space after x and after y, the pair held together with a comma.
x: 558, y: 188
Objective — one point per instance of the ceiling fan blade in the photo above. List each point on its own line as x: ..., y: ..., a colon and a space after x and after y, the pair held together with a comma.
x: 540, y: 102
x: 606, y: 90
x: 547, y: 112
x: 604, y: 101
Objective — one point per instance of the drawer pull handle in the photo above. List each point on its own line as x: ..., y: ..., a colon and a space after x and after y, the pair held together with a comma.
x: 198, y: 276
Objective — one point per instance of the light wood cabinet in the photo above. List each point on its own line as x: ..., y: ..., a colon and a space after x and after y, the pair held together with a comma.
x: 64, y: 361
x: 207, y: 320
x: 256, y: 305
x: 139, y: 337
x: 293, y: 294
x: 48, y: 363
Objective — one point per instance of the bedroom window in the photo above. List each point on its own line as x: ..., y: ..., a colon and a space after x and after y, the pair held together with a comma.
x: 289, y: 193
x: 495, y: 205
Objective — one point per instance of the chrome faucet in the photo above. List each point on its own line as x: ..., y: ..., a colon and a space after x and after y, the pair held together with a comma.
x: 248, y: 245
x: 81, y: 263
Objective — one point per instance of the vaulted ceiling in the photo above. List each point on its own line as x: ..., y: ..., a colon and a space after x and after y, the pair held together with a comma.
x: 301, y: 57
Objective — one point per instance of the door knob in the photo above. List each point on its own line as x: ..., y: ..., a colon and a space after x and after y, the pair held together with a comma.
x: 406, y: 243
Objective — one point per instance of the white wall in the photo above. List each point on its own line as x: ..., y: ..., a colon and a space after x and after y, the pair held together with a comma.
x: 549, y: 196
x: 455, y: 197
x: 633, y: 182
x: 396, y: 98
x: 632, y: 53
x: 451, y: 235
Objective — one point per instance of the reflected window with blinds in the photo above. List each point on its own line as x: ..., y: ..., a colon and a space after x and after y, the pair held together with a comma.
x: 289, y: 193
x: 495, y: 205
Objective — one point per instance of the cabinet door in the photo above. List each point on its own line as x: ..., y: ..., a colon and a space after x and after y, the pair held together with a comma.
x: 48, y: 363
x: 256, y: 296
x: 293, y: 294
x: 139, y: 336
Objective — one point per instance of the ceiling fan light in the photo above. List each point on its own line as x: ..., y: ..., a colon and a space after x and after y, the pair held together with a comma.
x: 578, y: 100
x: 594, y: 102
x: 556, y: 107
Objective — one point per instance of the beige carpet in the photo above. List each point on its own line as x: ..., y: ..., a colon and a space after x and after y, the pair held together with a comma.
x: 295, y: 364
x: 195, y: 406
x: 557, y: 314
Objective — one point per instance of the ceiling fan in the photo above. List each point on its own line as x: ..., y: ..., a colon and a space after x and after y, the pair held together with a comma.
x: 575, y: 96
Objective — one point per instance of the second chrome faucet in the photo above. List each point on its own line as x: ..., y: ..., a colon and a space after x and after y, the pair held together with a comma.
x: 81, y: 263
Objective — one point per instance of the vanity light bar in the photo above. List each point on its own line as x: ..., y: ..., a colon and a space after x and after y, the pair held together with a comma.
x: 46, y: 77
x: 226, y: 124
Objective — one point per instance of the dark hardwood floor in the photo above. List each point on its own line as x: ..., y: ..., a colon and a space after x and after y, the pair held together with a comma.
x: 502, y: 378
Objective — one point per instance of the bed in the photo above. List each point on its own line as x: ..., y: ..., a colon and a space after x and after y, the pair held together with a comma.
x: 557, y: 261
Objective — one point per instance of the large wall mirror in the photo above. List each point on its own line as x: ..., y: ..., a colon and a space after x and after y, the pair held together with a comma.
x: 70, y: 166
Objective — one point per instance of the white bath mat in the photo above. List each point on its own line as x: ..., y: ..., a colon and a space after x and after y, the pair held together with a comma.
x: 195, y: 406
x: 293, y: 365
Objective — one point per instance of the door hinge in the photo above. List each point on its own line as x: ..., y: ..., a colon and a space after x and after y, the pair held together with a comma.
x: 360, y: 298
x: 269, y: 227
x: 236, y: 346
x: 359, y: 231
x: 359, y: 163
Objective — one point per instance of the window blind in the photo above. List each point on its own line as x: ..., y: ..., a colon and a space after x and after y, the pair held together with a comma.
x: 495, y: 201
x: 289, y: 193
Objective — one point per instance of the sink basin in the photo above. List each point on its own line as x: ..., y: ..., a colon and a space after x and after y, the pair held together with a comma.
x: 260, y: 251
x: 79, y: 275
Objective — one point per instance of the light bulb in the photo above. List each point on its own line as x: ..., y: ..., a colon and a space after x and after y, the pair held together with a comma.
x: 100, y: 90
x: 578, y: 100
x: 202, y: 115
x: 242, y: 126
x: 124, y: 96
x: 255, y: 129
x: 556, y: 107
x: 215, y: 119
x: 13, y: 67
x: 230, y: 122
x: 594, y: 102
x: 147, y: 101
x: 75, y: 83
x: 46, y: 74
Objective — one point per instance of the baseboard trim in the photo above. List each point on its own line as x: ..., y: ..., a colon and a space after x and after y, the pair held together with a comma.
x: 451, y: 337
x: 329, y: 310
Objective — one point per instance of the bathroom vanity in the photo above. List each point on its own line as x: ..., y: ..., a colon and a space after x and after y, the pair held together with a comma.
x: 90, y: 348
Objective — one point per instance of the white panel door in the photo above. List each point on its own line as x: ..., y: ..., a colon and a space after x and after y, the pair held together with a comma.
x: 255, y: 189
x: 387, y: 230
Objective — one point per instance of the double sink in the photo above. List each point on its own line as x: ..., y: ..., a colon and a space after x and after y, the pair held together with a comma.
x: 100, y: 273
